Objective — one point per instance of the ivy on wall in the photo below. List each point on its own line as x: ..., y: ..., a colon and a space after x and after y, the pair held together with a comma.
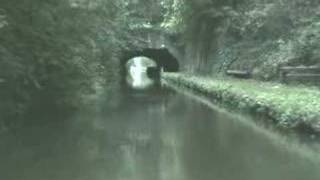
x: 175, y: 16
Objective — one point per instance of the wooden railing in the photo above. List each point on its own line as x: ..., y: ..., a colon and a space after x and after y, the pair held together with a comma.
x: 286, y: 74
x: 299, y: 73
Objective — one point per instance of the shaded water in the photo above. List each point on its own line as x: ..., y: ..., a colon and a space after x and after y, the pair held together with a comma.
x: 152, y: 135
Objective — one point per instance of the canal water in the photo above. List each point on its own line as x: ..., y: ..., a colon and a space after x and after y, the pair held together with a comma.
x: 152, y: 135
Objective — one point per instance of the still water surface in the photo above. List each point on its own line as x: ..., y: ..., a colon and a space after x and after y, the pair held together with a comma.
x: 156, y: 135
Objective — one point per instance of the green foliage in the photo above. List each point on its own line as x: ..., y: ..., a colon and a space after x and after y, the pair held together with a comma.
x: 290, y: 107
x: 56, y: 52
x: 176, y: 13
x: 250, y: 35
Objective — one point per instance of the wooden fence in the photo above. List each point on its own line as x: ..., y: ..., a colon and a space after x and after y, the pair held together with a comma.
x: 300, y: 73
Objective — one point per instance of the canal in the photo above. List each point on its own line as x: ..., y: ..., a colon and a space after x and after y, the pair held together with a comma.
x: 152, y: 135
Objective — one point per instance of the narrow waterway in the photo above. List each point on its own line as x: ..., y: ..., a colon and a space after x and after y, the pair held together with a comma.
x: 150, y: 135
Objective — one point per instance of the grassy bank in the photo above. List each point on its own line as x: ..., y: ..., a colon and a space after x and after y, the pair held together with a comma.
x: 289, y: 107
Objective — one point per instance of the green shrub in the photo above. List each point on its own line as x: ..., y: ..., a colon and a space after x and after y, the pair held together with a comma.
x: 288, y: 106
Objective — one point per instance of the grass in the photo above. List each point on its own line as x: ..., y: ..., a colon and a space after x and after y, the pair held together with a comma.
x: 289, y: 107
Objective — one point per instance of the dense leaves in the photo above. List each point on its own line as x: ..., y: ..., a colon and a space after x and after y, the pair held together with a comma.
x: 57, y: 50
x: 252, y: 35
x: 289, y: 107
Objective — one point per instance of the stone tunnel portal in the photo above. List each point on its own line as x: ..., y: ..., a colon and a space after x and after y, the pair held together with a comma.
x: 162, y: 58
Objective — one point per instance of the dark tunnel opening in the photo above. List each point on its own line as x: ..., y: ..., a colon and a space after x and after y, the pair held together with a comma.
x: 164, y: 60
x: 162, y: 57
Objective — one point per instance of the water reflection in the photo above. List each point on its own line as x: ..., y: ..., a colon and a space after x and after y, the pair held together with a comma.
x: 137, y: 76
x: 160, y: 136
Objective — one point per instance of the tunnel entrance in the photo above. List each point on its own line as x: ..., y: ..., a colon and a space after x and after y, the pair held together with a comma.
x: 146, y: 63
x: 141, y: 72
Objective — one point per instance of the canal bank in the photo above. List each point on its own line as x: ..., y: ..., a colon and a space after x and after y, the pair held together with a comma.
x: 288, y: 108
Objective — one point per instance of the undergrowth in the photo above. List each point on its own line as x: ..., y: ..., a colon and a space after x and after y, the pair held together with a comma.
x: 290, y: 107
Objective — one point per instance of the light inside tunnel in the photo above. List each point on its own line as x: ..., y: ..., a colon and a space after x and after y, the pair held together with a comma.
x: 137, y: 76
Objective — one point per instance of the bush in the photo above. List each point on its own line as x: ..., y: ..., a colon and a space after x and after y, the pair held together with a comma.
x: 54, y: 52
